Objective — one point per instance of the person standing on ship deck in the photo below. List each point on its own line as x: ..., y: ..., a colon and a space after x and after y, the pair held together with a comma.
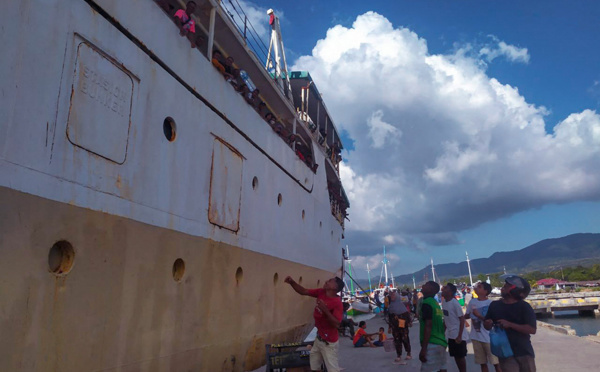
x: 185, y: 22
x: 328, y: 315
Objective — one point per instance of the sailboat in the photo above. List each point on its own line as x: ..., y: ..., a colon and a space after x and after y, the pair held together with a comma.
x: 359, y: 304
x: 384, y: 279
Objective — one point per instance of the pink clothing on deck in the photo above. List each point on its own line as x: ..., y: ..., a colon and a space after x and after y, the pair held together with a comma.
x: 188, y: 22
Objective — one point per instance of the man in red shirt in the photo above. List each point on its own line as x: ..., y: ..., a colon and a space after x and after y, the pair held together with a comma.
x: 328, y: 315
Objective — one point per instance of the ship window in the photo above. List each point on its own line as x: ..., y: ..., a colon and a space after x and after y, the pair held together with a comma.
x: 169, y: 129
x: 300, y: 280
x: 318, y: 283
x: 178, y: 269
x: 239, y: 275
x: 279, y: 199
x: 303, y: 214
x: 61, y: 258
x: 254, y: 183
x: 275, y: 279
x: 320, y: 224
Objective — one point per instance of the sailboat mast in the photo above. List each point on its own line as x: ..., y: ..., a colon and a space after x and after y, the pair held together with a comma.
x: 350, y: 270
x: 385, y: 267
x: 469, y: 265
x: 369, y: 274
x: 432, y: 270
x: 414, y: 284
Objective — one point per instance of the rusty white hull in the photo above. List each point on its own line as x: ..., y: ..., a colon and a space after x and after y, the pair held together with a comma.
x: 84, y: 159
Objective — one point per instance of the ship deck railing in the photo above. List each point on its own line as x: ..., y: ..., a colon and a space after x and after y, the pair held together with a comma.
x: 231, y: 39
x: 218, y: 29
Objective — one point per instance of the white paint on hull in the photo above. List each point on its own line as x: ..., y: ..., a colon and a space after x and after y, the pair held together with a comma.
x: 160, y: 183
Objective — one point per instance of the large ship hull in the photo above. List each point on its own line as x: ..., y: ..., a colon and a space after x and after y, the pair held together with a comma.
x: 87, y: 88
x: 119, y: 309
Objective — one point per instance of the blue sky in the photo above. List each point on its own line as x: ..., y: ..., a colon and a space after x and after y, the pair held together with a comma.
x: 473, y: 124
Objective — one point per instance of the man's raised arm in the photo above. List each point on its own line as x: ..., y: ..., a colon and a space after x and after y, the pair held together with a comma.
x: 297, y: 287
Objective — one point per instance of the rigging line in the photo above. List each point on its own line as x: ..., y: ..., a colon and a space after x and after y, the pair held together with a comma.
x: 250, y: 23
x: 264, y: 46
x: 361, y: 288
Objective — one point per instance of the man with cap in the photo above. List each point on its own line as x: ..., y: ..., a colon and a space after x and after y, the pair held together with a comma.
x: 518, y: 320
x: 328, y: 315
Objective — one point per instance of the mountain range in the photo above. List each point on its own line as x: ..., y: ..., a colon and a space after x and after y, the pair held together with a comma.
x: 571, y: 250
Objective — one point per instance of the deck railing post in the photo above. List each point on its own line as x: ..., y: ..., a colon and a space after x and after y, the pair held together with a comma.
x: 211, y: 32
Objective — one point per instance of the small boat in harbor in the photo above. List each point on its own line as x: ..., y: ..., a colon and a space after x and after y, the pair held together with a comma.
x: 360, y: 305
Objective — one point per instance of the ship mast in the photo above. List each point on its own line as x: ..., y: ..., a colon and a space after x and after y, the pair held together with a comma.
x: 276, y: 45
x: 350, y: 269
x: 432, y: 270
x: 369, y: 274
x: 385, y: 262
x: 469, y: 265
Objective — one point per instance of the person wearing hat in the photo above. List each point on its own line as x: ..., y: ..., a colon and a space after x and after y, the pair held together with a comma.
x: 518, y: 320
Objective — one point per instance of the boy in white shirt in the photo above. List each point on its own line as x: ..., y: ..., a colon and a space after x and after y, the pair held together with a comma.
x: 454, y: 320
x: 476, y: 310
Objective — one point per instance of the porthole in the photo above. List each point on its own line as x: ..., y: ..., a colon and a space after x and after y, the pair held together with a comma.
x: 279, y: 199
x: 254, y: 183
x: 169, y: 129
x: 275, y: 279
x: 178, y: 269
x: 61, y: 258
x: 239, y: 275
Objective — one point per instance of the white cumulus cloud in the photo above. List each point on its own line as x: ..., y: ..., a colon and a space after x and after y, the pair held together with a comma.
x: 502, y: 49
x: 440, y: 146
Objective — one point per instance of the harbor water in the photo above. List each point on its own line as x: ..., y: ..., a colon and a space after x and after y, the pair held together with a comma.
x: 583, y: 325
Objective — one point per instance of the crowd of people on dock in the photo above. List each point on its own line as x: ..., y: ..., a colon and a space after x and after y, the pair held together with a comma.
x: 499, y: 331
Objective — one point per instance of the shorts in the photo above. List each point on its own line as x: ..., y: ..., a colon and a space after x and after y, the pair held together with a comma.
x: 324, y: 353
x: 360, y: 342
x: 457, y: 350
x: 436, y: 358
x: 525, y: 363
x: 483, y: 353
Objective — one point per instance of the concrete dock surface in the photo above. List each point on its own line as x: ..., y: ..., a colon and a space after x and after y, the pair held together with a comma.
x: 555, y: 352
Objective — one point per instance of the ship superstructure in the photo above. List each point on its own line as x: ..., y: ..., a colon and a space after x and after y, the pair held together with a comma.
x: 149, y: 213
